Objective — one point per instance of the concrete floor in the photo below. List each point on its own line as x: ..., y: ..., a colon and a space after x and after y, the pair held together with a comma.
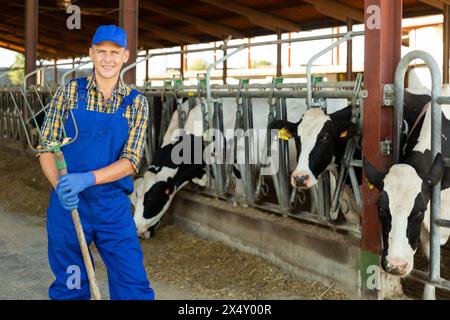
x: 24, y: 270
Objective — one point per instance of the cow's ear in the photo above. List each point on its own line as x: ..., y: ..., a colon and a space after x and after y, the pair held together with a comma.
x: 373, y: 176
x: 346, y: 130
x: 169, y: 189
x: 286, y: 129
x: 436, y: 172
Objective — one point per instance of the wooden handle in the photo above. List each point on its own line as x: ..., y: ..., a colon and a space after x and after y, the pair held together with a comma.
x: 62, y: 170
x: 86, y: 257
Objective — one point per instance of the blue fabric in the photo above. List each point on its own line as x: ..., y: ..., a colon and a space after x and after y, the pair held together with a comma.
x: 73, y: 183
x: 110, y: 33
x: 67, y: 201
x: 105, y: 213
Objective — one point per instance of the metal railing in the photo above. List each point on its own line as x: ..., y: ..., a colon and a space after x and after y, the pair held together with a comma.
x: 276, y: 94
x: 432, y: 279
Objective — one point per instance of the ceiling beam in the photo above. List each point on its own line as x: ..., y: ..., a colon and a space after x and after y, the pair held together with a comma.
x: 44, y: 40
x: 149, y: 43
x: 337, y: 10
x: 434, y: 3
x: 17, y: 43
x: 209, y: 27
x: 163, y: 33
x: 14, y: 47
x: 262, y: 19
x: 91, y: 27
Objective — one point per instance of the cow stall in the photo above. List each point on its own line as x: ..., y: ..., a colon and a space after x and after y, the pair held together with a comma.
x: 322, y: 205
x: 323, y: 199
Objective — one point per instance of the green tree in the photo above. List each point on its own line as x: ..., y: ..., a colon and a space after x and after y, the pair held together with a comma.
x: 260, y: 63
x: 199, y: 64
x: 16, y: 76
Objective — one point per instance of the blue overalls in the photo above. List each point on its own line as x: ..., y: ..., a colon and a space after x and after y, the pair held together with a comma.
x: 105, y: 210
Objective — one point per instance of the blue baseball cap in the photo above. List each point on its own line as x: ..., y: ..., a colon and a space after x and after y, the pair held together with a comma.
x: 110, y: 33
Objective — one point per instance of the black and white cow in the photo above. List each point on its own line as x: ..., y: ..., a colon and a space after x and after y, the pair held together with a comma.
x: 321, y: 140
x: 322, y: 137
x: 403, y: 202
x: 155, y: 191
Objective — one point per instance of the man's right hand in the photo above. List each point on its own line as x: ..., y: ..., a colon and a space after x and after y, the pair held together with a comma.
x: 68, y: 201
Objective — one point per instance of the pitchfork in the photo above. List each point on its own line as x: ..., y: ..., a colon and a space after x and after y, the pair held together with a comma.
x: 55, y: 148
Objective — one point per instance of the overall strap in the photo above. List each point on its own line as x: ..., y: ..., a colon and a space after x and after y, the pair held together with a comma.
x: 82, y: 92
x: 127, y: 101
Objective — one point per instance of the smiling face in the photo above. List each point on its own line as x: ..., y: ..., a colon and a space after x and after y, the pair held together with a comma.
x: 108, y: 59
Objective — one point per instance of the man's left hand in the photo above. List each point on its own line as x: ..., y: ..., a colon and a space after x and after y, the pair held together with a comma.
x: 74, y: 183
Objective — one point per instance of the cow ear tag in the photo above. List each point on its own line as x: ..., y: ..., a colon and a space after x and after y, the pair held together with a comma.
x: 284, y: 134
x: 371, y: 186
x: 167, y: 191
x: 344, y: 134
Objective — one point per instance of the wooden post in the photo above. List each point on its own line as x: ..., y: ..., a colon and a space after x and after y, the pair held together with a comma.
x: 129, y: 20
x: 31, y: 38
x: 349, y: 52
x: 289, y: 51
x: 249, y: 56
x: 147, y: 66
x: 182, y: 67
x: 73, y: 67
x: 224, y: 70
x: 446, y: 36
x: 55, y: 74
x: 383, y: 19
x: 279, y: 63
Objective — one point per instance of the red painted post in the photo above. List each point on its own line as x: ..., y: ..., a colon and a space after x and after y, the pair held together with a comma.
x: 349, y: 52
x: 446, y: 47
x: 382, y: 54
x: 31, y: 36
x: 128, y: 19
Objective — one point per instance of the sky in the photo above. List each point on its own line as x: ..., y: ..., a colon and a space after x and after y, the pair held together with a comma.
x: 6, y: 57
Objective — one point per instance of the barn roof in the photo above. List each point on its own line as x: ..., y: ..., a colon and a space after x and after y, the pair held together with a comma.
x: 171, y: 23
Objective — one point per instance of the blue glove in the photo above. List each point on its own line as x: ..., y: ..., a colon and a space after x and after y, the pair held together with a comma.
x: 68, y: 202
x: 73, y: 183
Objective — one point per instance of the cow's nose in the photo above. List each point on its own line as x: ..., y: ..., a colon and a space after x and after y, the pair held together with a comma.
x: 300, y: 180
x: 397, y: 267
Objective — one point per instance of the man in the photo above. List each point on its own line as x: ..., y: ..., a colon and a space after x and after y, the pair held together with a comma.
x: 111, y: 119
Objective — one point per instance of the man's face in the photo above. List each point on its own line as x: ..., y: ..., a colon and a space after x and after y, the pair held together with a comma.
x: 108, y: 58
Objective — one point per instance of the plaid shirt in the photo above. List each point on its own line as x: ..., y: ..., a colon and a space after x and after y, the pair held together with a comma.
x: 137, y: 115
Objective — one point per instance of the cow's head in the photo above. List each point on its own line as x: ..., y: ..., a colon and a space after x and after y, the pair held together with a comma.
x: 150, y: 198
x: 318, y: 137
x: 402, y: 203
x: 155, y: 191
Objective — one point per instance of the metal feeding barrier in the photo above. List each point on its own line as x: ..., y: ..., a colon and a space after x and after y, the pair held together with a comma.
x: 55, y: 148
x: 325, y: 202
x: 432, y: 278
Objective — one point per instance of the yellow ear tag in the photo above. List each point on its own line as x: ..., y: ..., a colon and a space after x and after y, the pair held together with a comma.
x: 344, y: 134
x: 371, y: 186
x: 167, y: 191
x: 284, y: 134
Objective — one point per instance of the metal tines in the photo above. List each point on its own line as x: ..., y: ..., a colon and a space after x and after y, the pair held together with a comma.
x: 32, y: 118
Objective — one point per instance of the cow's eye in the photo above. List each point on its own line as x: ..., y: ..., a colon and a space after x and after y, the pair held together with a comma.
x: 324, y: 138
x: 419, y: 215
